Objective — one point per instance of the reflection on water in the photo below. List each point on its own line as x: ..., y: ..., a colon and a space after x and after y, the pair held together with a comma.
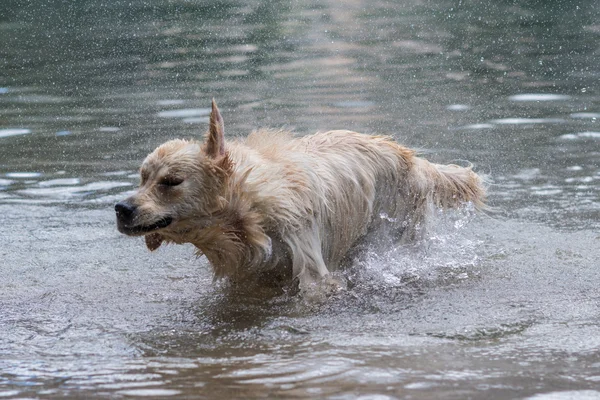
x: 493, y: 306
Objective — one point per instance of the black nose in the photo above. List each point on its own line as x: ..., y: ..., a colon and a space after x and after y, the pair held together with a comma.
x: 124, y: 209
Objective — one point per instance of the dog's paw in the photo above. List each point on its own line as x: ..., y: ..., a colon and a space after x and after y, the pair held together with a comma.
x: 318, y: 291
x: 332, y: 285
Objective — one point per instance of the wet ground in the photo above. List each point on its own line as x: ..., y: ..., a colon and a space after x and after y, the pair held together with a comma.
x: 492, y: 306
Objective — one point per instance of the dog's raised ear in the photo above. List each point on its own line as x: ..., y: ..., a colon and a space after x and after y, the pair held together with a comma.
x: 215, y: 138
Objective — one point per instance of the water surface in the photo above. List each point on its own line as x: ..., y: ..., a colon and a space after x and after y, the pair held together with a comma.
x: 503, y: 305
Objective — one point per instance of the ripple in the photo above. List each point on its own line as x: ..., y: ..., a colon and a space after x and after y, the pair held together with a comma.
x: 485, y: 333
x: 235, y: 72
x: 111, y: 198
x: 13, y: 132
x: 295, y: 372
x: 418, y: 47
x: 580, y: 135
x: 525, y: 121
x: 70, y: 191
x: 582, y: 179
x: 527, y: 174
x: 60, y: 182
x: 354, y: 104
x: 478, y: 126
x: 38, y: 99
x: 9, y: 393
x: 149, y: 392
x: 174, y: 102
x: 567, y: 395
x: 117, y: 173
x: 585, y: 115
x: 546, y: 192
x: 23, y: 175
x: 539, y: 97
x: 134, y: 384
x: 420, y: 385
x: 458, y: 107
x: 196, y: 120
x: 184, y: 113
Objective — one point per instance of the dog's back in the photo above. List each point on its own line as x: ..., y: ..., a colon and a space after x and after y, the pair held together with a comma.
x: 323, y: 192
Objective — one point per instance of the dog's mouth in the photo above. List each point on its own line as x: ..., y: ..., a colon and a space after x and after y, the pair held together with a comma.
x: 136, y: 230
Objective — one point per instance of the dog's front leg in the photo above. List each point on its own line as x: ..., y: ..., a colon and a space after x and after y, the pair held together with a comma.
x: 308, y: 265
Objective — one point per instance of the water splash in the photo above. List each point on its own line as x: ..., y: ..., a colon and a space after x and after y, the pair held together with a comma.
x: 447, y: 254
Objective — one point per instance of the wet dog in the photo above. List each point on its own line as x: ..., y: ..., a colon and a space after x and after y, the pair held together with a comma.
x: 280, y: 208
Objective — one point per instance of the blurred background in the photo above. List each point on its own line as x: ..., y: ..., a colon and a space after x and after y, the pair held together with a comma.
x: 493, y: 306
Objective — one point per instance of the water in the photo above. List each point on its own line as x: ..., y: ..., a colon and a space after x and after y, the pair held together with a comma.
x: 502, y: 305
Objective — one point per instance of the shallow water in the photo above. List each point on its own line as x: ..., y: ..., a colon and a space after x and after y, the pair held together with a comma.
x: 494, y: 306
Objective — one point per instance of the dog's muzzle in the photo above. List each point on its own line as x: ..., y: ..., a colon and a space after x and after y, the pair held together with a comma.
x: 125, y: 211
x: 126, y: 220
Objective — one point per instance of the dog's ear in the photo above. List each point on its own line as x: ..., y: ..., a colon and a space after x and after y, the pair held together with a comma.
x: 153, y: 241
x: 215, y: 138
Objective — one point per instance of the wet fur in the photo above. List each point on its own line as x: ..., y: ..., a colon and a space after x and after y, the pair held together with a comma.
x: 280, y: 208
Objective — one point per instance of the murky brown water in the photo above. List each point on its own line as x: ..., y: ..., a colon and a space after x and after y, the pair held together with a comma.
x: 490, y: 307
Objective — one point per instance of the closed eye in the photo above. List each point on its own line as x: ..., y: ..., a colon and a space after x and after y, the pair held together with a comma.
x: 170, y: 181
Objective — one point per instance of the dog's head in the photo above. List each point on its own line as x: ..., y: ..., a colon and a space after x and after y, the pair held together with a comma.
x: 180, y: 187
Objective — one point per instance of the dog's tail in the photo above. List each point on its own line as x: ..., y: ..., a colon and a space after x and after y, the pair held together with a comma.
x: 448, y: 186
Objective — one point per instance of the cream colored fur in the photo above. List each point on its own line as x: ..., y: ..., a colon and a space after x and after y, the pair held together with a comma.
x: 281, y: 208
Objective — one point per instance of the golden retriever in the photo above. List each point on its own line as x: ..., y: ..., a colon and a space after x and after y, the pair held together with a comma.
x: 286, y: 208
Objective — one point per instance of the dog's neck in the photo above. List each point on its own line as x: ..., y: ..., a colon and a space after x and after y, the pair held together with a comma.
x: 232, y: 238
